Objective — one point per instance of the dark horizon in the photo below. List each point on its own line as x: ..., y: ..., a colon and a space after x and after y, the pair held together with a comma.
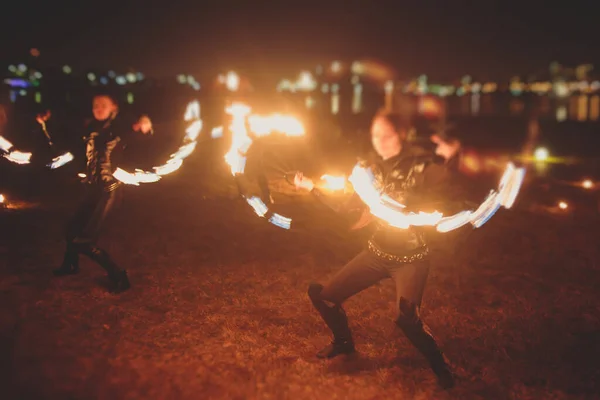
x: 493, y: 41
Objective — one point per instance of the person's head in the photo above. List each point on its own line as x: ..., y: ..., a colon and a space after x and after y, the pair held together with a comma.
x: 388, y: 132
x: 104, y: 107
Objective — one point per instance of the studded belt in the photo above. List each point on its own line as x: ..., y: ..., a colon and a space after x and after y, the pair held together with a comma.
x: 420, y: 254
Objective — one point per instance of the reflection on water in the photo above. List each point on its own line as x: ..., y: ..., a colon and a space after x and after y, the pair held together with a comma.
x: 581, y: 108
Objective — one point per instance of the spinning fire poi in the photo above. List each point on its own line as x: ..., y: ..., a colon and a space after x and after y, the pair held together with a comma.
x: 244, y: 126
x: 395, y: 188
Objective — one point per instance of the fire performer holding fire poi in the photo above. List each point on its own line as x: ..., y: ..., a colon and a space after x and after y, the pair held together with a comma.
x: 414, y: 177
x: 106, y: 136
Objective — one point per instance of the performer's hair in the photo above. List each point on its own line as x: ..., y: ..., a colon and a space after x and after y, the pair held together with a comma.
x: 399, y: 122
x: 108, y: 95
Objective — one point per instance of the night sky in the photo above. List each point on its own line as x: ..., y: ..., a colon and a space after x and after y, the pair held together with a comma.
x: 445, y: 39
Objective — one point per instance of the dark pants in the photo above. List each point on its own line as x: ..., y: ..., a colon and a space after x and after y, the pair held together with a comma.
x: 84, y: 228
x: 365, y: 270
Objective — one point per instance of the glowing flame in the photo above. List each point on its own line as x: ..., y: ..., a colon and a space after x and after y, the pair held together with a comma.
x: 2, y: 199
x: 61, y: 160
x: 242, y: 122
x: 216, y: 132
x: 260, y: 126
x: 265, y: 125
x: 390, y: 211
x: 18, y: 157
x: 192, y: 112
x: 587, y: 184
x: 334, y: 182
x: 5, y: 145
x: 192, y: 132
x: 563, y: 205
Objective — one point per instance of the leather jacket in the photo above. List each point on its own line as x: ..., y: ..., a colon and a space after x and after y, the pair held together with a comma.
x: 421, y: 181
x: 105, y: 142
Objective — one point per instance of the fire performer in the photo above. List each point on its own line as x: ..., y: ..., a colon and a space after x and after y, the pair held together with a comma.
x: 105, y: 137
x: 413, y: 177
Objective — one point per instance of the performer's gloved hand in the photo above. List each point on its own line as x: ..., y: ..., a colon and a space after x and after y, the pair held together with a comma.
x: 42, y: 118
x: 144, y: 125
x: 446, y: 148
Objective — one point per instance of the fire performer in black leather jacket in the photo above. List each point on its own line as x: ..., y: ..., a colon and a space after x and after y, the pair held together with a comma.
x: 416, y: 178
x: 105, y: 137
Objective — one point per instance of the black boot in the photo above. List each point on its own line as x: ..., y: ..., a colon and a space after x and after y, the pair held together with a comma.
x: 420, y: 336
x: 336, y: 320
x: 119, y: 282
x: 70, y: 264
x: 336, y: 348
x: 118, y: 278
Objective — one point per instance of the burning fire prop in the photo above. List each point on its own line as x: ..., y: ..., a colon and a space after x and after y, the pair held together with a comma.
x: 390, y: 211
x: 244, y: 122
x: 22, y: 158
x: 14, y: 156
x: 192, y: 115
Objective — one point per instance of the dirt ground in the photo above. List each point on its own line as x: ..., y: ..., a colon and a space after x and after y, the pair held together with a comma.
x: 218, y: 307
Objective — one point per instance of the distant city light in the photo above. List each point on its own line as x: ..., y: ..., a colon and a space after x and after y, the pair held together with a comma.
x: 561, y: 113
x: 561, y: 89
x: 104, y: 80
x: 121, y: 80
x: 34, y: 52
x: 325, y: 88
x: 22, y: 67
x: 476, y: 87
x: 190, y: 79
x: 335, y: 88
x: 306, y: 81
x: 196, y: 86
x: 309, y: 102
x: 358, y: 68
x: 130, y: 98
x: 181, y: 78
x: 140, y: 76
x: 91, y: 77
x: 541, y: 154
x: 587, y: 184
x: 284, y: 84
x: 12, y: 68
x: 336, y: 67
x: 489, y: 87
x: 355, y: 80
x: 38, y: 97
x: 112, y: 74
x: 130, y: 76
x: 335, y: 103
x: 66, y: 69
x: 37, y: 75
x: 23, y: 92
x: 357, y: 99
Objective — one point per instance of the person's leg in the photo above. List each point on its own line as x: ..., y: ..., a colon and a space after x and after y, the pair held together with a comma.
x: 74, y: 228
x: 410, y: 284
x: 360, y: 273
x: 86, y: 241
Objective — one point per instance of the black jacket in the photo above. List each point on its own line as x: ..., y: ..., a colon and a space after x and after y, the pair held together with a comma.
x: 421, y: 181
x: 105, y: 143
